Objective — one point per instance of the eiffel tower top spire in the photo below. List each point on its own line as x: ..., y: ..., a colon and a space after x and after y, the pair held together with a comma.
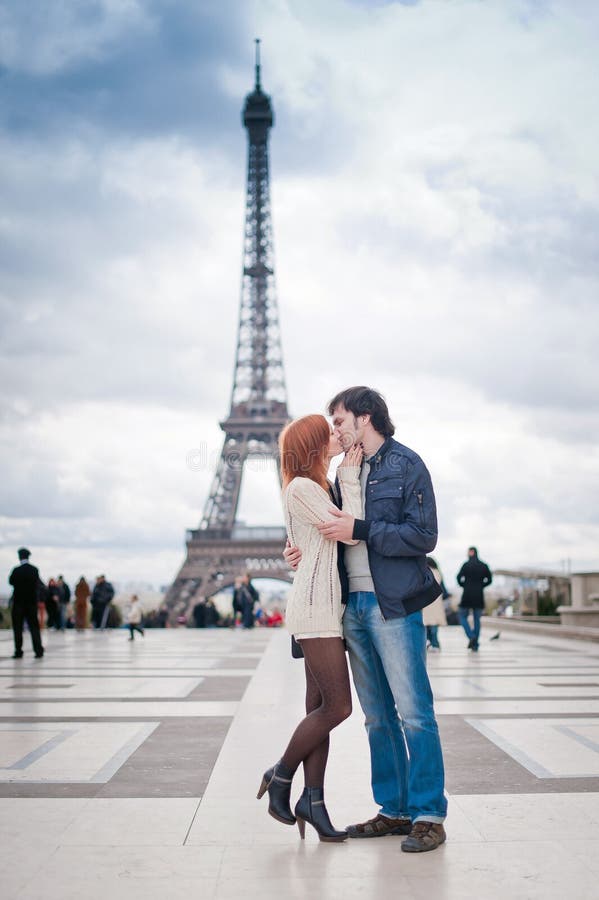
x: 258, y: 116
x: 257, y: 66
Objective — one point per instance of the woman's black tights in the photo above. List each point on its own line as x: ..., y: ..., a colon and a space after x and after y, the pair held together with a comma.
x: 328, y: 703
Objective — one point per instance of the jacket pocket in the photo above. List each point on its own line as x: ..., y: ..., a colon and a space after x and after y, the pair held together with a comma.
x: 384, y: 499
x: 385, y: 488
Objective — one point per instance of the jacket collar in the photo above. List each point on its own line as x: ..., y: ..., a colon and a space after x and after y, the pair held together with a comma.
x: 376, y: 459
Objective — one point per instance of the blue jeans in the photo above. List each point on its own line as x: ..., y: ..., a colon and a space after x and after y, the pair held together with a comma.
x: 388, y: 663
x: 471, y: 633
x: 61, y: 621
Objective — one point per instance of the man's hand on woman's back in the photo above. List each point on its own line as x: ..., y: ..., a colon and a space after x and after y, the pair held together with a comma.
x: 292, y: 556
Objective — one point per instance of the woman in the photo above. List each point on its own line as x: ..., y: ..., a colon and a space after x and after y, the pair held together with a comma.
x: 433, y: 615
x: 134, y: 618
x: 313, y: 616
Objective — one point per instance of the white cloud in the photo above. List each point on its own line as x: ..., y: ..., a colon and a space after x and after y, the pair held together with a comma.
x: 42, y: 38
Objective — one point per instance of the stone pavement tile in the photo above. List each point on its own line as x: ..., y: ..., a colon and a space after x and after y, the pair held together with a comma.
x: 585, y: 851
x: 68, y: 752
x: 516, y: 706
x: 176, y: 760
x: 310, y: 858
x: 529, y: 817
x: 238, y: 662
x: 232, y: 688
x: 130, y: 861
x: 217, y: 825
x: 587, y: 806
x: 28, y: 831
x: 20, y: 862
x: 305, y: 887
x: 99, y: 885
x: 117, y: 871
x: 104, y: 687
x: 459, y: 826
x: 136, y: 822
x: 25, y: 820
x: 477, y: 764
x: 117, y: 708
x: 549, y: 748
x: 541, y: 870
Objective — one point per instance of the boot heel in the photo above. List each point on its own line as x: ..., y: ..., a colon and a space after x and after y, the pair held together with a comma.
x: 310, y: 808
x: 262, y: 789
x: 278, y: 785
x: 302, y: 828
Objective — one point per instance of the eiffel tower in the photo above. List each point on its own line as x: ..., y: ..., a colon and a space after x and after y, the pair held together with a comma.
x: 221, y: 548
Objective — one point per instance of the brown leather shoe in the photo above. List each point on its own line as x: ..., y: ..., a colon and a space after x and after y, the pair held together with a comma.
x: 424, y: 836
x: 379, y: 827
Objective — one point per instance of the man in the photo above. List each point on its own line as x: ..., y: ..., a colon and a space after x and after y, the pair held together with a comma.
x: 249, y: 600
x: 245, y: 596
x: 387, y: 584
x: 102, y: 595
x: 25, y: 580
x: 473, y: 577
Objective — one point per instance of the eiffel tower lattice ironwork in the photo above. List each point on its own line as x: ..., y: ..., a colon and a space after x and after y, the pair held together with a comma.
x: 220, y: 549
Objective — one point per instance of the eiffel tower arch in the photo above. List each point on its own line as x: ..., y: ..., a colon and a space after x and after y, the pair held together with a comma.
x: 221, y: 548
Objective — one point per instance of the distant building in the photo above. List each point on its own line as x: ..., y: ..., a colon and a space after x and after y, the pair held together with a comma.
x: 530, y: 589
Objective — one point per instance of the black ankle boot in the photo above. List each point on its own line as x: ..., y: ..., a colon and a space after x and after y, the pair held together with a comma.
x: 310, y: 808
x: 277, y: 781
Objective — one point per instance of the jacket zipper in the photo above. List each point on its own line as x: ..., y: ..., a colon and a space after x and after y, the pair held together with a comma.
x: 420, y: 498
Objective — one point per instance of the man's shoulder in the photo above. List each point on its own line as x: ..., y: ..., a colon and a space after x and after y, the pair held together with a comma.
x: 23, y: 574
x: 399, y: 456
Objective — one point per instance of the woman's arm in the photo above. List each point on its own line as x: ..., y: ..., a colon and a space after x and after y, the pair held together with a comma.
x: 351, y: 493
x: 309, y: 502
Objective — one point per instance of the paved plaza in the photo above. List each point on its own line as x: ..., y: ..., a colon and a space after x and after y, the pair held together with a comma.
x: 130, y: 770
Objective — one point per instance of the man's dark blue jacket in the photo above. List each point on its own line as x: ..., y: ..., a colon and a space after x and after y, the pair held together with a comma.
x: 400, y: 528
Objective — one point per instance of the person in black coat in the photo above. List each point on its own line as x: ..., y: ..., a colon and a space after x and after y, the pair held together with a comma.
x: 25, y: 580
x: 52, y: 601
x: 63, y: 603
x: 473, y: 577
x: 245, y: 596
x: 199, y: 614
x: 249, y: 597
x: 102, y: 595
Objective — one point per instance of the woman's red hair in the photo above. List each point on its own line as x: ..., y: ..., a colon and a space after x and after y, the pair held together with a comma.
x: 303, y: 445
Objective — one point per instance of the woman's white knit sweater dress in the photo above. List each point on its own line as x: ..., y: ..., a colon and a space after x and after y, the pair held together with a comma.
x: 314, y: 606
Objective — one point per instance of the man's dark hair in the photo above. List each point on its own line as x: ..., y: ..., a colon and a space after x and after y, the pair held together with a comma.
x: 364, y: 401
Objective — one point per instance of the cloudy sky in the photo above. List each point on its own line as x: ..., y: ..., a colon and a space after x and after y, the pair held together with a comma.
x: 436, y: 214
